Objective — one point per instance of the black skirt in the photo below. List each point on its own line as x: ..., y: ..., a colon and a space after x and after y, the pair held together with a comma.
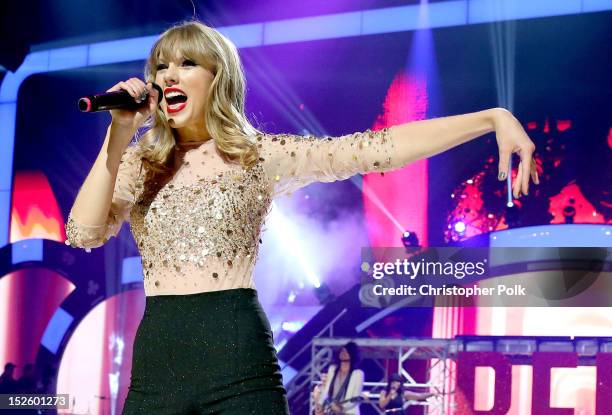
x: 205, y: 353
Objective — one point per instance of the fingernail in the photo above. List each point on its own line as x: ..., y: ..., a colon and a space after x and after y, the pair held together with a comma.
x: 502, y: 175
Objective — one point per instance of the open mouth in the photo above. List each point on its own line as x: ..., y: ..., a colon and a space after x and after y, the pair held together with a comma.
x: 176, y: 99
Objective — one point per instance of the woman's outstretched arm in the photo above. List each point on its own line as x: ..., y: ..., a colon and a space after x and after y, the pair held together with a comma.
x: 418, y: 396
x: 292, y: 161
x: 425, y: 138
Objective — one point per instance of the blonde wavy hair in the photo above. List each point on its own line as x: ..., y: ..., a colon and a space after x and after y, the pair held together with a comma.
x: 225, y: 118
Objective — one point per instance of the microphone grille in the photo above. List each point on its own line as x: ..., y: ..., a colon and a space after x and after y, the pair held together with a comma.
x: 85, y: 104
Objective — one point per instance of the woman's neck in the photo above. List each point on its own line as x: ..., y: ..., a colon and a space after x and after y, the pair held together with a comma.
x: 188, y: 145
x: 191, y: 134
x: 191, y: 142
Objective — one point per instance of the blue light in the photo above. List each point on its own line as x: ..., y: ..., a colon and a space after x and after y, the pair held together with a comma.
x: 131, y: 270
x: 68, y: 58
x: 313, y: 28
x: 36, y: 62
x: 567, y: 235
x: 124, y: 50
x: 481, y: 11
x: 288, y: 372
x: 27, y: 250
x: 8, y: 112
x: 596, y: 5
x: 56, y: 329
x: 7, y: 142
x: 404, y: 18
x: 244, y: 36
x: 5, y: 216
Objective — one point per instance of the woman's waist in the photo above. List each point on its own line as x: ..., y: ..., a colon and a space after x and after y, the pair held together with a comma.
x: 191, y: 279
x: 211, y: 265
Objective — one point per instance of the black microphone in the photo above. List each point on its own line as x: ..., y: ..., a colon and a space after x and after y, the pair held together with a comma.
x: 114, y: 100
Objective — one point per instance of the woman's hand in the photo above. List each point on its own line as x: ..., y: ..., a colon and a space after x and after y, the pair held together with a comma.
x: 512, y: 138
x: 133, y: 119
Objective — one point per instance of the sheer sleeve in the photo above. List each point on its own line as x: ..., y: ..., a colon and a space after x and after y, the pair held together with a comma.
x: 293, y: 161
x: 124, y: 196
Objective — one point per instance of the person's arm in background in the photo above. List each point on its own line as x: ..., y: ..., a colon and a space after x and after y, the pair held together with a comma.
x: 383, y: 399
x: 417, y: 396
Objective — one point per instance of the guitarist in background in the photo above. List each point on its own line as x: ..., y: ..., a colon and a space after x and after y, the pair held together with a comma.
x: 342, y: 388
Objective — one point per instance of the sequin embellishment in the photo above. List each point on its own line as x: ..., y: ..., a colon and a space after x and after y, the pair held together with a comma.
x: 201, y: 230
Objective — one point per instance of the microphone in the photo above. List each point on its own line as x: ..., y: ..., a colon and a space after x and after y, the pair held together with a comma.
x: 115, y: 100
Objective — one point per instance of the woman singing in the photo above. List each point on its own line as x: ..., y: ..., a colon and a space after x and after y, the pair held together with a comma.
x: 196, y: 189
x: 393, y: 398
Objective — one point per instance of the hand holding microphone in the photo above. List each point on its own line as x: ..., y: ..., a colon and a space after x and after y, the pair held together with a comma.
x: 130, y: 102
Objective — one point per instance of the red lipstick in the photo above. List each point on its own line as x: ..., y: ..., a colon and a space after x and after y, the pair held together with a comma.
x: 174, y: 108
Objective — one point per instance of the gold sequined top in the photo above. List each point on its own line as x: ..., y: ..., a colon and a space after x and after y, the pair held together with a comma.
x: 199, y: 230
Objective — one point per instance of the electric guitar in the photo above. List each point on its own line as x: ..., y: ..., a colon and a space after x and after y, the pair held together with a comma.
x: 327, y: 410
